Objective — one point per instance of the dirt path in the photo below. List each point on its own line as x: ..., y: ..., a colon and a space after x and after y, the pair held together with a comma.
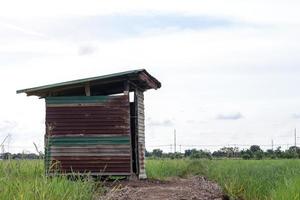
x: 174, y: 189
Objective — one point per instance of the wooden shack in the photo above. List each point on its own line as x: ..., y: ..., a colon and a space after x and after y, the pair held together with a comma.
x: 93, y: 127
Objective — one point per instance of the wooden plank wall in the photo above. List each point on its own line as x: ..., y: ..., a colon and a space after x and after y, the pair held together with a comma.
x: 140, y: 130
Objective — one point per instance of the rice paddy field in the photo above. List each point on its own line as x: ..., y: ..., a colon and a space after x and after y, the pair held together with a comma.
x: 240, y: 179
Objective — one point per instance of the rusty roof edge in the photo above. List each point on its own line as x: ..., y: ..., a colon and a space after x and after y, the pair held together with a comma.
x: 78, y: 81
x: 153, y: 79
x: 81, y: 81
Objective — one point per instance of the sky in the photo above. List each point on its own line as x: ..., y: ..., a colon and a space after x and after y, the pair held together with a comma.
x: 229, y: 69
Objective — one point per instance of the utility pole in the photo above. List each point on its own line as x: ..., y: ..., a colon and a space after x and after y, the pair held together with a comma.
x: 2, y: 144
x: 8, y: 141
x: 272, y: 145
x: 180, y: 148
x: 174, y: 140
x: 295, y: 137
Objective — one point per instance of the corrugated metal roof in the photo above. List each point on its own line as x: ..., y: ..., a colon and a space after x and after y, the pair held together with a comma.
x: 140, y: 75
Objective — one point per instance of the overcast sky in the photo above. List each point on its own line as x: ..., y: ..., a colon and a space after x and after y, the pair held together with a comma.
x: 230, y: 70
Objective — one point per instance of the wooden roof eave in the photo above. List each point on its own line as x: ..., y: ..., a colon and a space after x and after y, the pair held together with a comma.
x: 141, y: 78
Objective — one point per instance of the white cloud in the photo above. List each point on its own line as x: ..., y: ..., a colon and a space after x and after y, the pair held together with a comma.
x: 163, y: 123
x: 296, y: 116
x: 86, y: 50
x: 252, y: 69
x: 20, y: 29
x: 7, y: 126
x: 266, y: 11
x: 229, y: 116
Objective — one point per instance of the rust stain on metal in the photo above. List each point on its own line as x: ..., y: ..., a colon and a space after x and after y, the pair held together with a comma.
x: 89, y: 138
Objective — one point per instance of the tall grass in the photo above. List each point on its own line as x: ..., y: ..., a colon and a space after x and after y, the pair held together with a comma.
x: 25, y: 179
x: 240, y: 179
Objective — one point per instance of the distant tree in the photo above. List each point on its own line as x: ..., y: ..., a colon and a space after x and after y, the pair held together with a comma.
x: 246, y: 156
x: 292, y: 152
x: 187, y: 153
x: 190, y: 152
x: 289, y: 154
x: 270, y: 153
x: 200, y: 154
x: 157, y: 153
x: 255, y: 148
x: 249, y: 154
x: 227, y: 152
x: 148, y: 154
x: 6, y: 156
x: 254, y: 152
x: 278, y: 153
x: 259, y: 155
x: 219, y: 154
x: 230, y: 151
x: 294, y: 149
x: 257, y: 152
x: 176, y: 155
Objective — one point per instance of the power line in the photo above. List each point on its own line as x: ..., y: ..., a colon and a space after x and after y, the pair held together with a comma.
x: 221, y: 145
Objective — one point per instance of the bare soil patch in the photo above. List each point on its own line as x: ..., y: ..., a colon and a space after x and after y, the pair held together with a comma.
x: 173, y: 189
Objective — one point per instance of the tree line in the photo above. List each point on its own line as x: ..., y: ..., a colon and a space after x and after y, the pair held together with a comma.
x: 19, y: 156
x: 254, y: 152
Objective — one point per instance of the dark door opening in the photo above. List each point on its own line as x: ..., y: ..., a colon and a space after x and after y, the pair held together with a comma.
x: 134, y: 139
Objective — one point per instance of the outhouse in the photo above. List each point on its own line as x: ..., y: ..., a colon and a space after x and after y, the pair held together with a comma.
x: 93, y: 126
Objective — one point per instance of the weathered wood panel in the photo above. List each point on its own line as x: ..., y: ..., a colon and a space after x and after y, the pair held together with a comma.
x: 88, y: 134
x: 140, y: 131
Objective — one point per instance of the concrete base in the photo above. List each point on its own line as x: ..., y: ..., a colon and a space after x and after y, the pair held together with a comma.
x: 142, y: 176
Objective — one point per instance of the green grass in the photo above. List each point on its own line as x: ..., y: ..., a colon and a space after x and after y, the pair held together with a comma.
x: 25, y: 179
x: 240, y: 179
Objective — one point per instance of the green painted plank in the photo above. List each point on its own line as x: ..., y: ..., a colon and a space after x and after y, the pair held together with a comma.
x: 91, y: 142
x: 75, y: 100
x: 88, y: 138
x: 90, y: 154
x: 120, y: 146
x: 72, y: 143
x: 103, y: 97
x: 88, y: 141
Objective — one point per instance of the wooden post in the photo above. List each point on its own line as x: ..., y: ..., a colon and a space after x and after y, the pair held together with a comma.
x: 126, y: 88
x: 87, y: 90
x: 140, y: 131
